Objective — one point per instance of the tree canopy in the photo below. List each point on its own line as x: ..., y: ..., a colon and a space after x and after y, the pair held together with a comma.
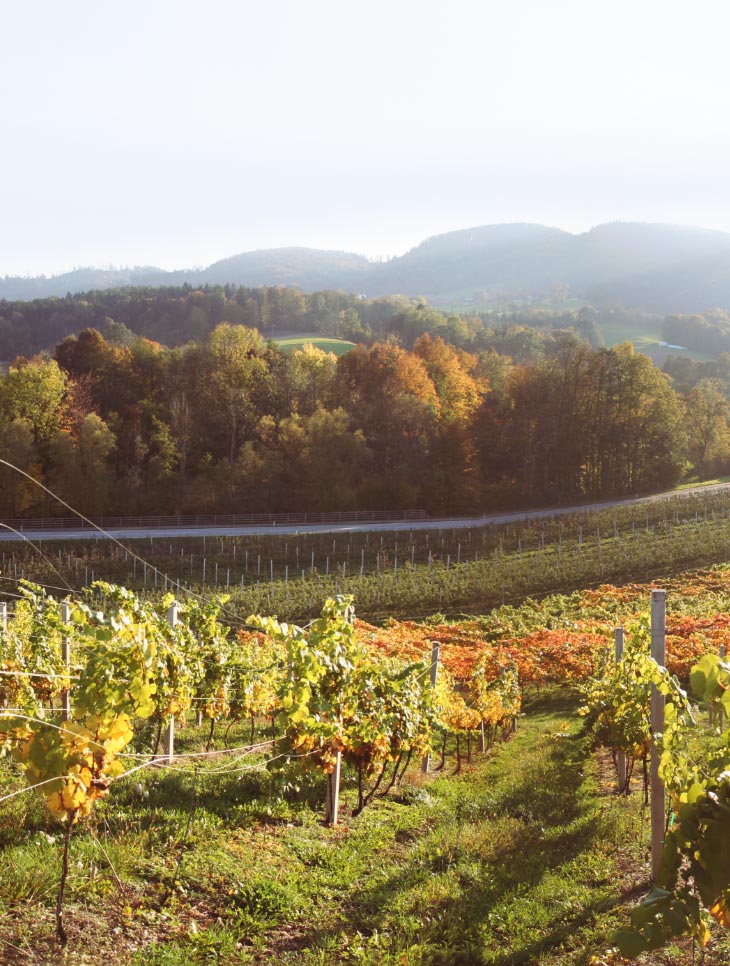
x: 231, y: 424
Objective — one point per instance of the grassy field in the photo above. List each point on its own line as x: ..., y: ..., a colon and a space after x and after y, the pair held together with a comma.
x: 694, y: 481
x: 339, y: 346
x: 647, y: 341
x: 525, y: 857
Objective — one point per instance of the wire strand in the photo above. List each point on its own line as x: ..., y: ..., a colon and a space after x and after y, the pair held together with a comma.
x: 28, y: 788
x: 161, y: 763
x: 6, y: 526
x: 33, y: 674
x: 97, y: 528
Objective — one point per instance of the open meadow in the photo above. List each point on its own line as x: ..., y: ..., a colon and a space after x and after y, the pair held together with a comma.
x: 293, y: 343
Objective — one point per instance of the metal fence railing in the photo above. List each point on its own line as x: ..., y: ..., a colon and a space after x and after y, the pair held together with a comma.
x: 211, y: 520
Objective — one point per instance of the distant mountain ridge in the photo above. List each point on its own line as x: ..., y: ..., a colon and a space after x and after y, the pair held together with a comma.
x: 662, y: 268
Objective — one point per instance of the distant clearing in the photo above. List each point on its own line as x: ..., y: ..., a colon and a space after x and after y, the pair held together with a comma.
x: 647, y: 341
x: 339, y: 346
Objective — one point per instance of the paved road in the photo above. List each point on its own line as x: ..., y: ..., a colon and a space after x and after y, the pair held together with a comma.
x: 451, y: 523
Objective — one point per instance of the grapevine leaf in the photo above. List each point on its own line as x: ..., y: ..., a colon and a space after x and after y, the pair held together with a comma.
x: 630, y: 942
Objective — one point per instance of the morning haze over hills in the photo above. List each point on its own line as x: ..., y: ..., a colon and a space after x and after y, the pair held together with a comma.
x: 660, y: 268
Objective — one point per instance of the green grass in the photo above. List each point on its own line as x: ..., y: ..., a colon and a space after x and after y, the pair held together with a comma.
x: 616, y: 332
x: 525, y: 857
x: 339, y: 346
x: 647, y: 342
x: 695, y: 481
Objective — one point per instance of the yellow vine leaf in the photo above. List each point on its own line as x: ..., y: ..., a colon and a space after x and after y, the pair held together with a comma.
x: 721, y: 912
x: 74, y: 795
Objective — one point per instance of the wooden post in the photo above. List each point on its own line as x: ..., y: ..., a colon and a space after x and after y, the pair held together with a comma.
x: 4, y: 615
x: 434, y: 674
x: 621, y: 757
x: 66, y: 659
x: 659, y: 653
x: 168, y: 745
x: 333, y: 792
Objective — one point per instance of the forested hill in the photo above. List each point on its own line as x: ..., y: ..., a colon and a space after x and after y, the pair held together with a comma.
x: 661, y: 268
x: 175, y: 315
x: 306, y: 268
x: 231, y: 423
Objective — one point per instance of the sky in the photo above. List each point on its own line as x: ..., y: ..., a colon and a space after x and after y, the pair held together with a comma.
x: 176, y: 132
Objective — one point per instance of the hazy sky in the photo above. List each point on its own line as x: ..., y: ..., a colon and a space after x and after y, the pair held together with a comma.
x: 173, y: 132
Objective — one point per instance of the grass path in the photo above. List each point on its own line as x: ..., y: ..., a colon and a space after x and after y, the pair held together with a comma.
x: 517, y: 863
x: 526, y: 857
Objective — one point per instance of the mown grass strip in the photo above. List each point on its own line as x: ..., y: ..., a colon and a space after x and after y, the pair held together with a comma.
x: 525, y: 857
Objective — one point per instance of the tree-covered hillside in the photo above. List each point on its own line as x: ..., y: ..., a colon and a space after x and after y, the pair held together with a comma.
x: 175, y: 316
x: 660, y: 268
x: 231, y: 423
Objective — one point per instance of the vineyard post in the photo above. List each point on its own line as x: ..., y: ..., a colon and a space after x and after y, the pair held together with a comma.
x: 66, y: 659
x: 659, y: 654
x: 169, y: 740
x: 434, y: 674
x: 4, y: 615
x: 621, y: 757
x: 333, y: 791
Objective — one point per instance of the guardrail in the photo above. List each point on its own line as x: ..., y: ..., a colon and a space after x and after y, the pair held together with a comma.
x: 211, y: 520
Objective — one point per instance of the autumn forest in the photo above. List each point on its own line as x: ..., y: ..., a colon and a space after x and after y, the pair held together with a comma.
x: 448, y: 414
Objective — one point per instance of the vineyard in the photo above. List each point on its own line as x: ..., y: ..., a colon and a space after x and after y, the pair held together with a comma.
x: 80, y: 681
x: 410, y: 572
x: 135, y: 729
